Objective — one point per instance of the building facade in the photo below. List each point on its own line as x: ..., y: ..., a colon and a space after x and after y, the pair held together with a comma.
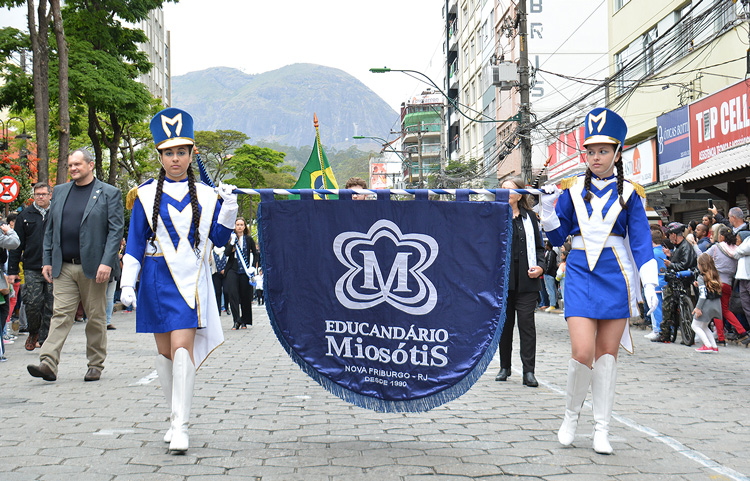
x: 421, y: 128
x: 667, y: 73
x: 157, y: 47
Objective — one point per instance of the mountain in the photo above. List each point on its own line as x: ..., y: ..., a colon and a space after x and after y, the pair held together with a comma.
x: 278, y: 106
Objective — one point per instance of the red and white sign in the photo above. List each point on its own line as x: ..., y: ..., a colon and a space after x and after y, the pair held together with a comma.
x: 719, y: 122
x: 566, y: 153
x: 10, y: 189
x: 377, y: 176
x: 640, y: 162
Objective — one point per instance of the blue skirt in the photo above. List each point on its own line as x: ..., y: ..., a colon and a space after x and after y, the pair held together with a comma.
x: 605, y: 292
x: 161, y: 307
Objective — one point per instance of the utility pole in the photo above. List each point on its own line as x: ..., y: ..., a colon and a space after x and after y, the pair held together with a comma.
x: 524, y: 110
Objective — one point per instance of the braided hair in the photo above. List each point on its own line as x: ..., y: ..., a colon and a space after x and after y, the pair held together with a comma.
x: 157, y: 203
x: 620, y: 171
x: 196, y: 219
x: 195, y: 208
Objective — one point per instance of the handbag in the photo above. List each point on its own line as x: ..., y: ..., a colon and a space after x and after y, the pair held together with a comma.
x: 735, y: 304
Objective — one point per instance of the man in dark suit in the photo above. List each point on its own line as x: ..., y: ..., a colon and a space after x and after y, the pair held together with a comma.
x: 81, y: 243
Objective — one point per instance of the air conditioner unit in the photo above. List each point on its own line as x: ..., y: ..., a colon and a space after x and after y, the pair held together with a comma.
x: 503, y: 75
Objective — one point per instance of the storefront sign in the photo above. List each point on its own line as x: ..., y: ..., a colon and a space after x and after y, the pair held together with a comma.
x: 719, y: 122
x: 566, y: 154
x: 673, y: 143
x: 640, y: 162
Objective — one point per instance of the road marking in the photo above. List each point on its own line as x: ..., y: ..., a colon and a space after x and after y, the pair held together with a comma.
x: 691, y: 454
x: 147, y: 380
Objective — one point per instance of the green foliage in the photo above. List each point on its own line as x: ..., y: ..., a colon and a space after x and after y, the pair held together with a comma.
x: 250, y: 163
x: 139, y: 158
x: 216, y: 149
x: 13, y: 164
x: 16, y: 91
x: 351, y: 162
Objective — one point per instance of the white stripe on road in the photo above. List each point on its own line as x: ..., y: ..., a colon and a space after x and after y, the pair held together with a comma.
x: 146, y: 380
x: 691, y: 454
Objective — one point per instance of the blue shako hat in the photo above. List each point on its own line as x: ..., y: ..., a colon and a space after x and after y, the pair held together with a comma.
x: 172, y: 127
x: 603, y: 126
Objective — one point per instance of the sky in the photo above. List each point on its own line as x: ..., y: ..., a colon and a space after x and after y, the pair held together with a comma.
x: 259, y: 36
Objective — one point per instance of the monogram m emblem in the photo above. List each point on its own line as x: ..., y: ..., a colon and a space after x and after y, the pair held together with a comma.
x: 405, y: 286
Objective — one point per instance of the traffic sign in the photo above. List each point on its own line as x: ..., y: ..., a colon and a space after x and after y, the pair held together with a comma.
x: 10, y: 189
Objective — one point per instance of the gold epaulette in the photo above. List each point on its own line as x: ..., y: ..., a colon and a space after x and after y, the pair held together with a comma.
x: 639, y: 189
x: 130, y: 199
x: 568, y: 182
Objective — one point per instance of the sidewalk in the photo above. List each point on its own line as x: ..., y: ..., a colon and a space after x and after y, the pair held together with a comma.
x: 679, y: 415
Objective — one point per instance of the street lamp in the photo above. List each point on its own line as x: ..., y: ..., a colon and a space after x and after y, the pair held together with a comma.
x: 5, y: 132
x: 24, y: 135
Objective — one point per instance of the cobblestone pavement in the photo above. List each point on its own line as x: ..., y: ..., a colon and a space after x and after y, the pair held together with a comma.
x: 679, y: 415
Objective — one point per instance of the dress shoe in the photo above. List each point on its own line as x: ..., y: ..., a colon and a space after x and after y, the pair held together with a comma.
x: 529, y: 379
x: 42, y: 370
x: 503, y: 374
x: 92, y: 374
x: 31, y: 342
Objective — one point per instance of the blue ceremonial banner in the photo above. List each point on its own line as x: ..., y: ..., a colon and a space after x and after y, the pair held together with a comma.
x: 390, y: 305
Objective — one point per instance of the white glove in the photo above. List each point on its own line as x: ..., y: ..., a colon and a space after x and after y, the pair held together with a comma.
x: 228, y: 212
x: 127, y: 296
x: 225, y: 191
x: 649, y: 292
x: 233, y: 239
x: 550, y: 220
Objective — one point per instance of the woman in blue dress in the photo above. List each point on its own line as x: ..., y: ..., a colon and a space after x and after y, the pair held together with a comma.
x: 611, y: 255
x: 173, y: 219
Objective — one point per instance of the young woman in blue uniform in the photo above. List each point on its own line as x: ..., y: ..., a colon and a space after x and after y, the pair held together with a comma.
x: 611, y: 255
x: 172, y: 221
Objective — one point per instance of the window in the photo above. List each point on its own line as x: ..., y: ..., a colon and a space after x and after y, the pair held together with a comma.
x: 620, y: 3
x: 473, y: 50
x: 648, y: 49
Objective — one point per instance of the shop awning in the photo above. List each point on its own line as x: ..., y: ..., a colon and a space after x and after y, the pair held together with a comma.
x: 727, y: 166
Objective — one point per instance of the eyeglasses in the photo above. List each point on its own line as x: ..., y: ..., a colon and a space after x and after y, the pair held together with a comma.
x: 43, y: 194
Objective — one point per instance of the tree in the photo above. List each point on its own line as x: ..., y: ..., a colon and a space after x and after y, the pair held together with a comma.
x: 62, y: 95
x: 216, y: 149
x: 38, y: 22
x: 105, y: 63
x: 250, y: 163
x: 138, y: 154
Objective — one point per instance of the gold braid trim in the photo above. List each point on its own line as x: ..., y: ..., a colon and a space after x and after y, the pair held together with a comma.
x: 568, y: 182
x: 130, y: 199
x: 638, y: 189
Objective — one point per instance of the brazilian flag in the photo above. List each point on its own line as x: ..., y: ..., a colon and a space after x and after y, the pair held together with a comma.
x: 317, y: 173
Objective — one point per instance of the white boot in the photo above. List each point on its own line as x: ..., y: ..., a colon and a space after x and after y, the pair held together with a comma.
x: 602, y: 399
x: 579, y: 378
x: 164, y: 370
x: 183, y: 380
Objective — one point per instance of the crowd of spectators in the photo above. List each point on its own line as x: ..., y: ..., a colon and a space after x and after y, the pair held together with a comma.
x: 723, y: 237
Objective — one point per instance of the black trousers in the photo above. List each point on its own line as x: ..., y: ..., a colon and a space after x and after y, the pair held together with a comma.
x: 521, y: 305
x: 218, y: 281
x: 240, y: 292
